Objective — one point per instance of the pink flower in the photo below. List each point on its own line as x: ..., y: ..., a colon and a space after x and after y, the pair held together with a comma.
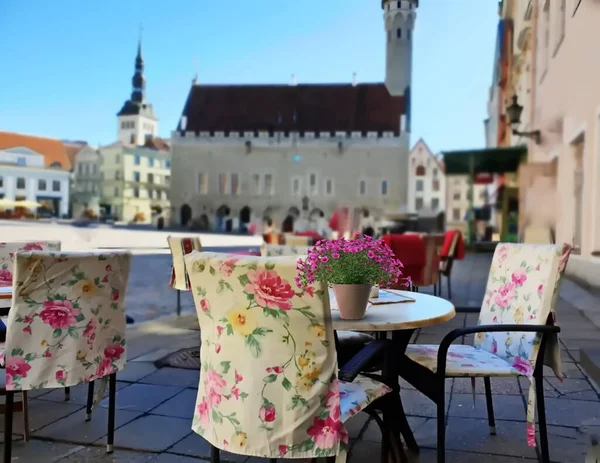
x: 202, y: 410
x: 267, y: 413
x: 47, y: 353
x: 9, y: 381
x: 217, y: 348
x: 17, y: 366
x: 531, y: 435
x: 519, y: 277
x: 61, y: 376
x: 238, y: 378
x: 213, y: 386
x: 115, y: 295
x: 327, y: 433
x: 310, y: 290
x: 523, y: 366
x: 227, y: 267
x: 270, y: 290
x: 283, y: 450
x: 219, y: 330
x: 502, y: 255
x: 108, y: 268
x: 5, y: 278
x: 504, y: 295
x: 33, y: 247
x: 540, y: 290
x: 105, y: 368
x: 59, y: 314
x: 90, y: 332
x: 105, y: 279
x: 235, y: 392
x: 332, y: 401
x: 204, y: 305
x: 114, y: 351
x: 27, y: 330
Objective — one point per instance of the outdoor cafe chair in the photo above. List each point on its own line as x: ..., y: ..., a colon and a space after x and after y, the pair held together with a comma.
x: 515, y: 336
x: 269, y: 382
x: 66, y: 327
x: 7, y: 257
x: 180, y: 246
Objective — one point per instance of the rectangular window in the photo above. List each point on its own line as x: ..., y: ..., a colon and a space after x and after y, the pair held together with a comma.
x: 116, y: 192
x: 329, y: 191
x: 269, y: 185
x: 223, y: 184
x: 202, y: 184
x: 136, y: 160
x: 455, y: 214
x: 80, y: 169
x: 435, y: 184
x: 362, y: 188
x: 86, y: 169
x: 235, y: 184
x: 456, y: 196
x: 20, y: 183
x: 435, y: 204
x: 151, y: 193
x: 312, y: 184
x: 398, y: 33
x: 117, y: 175
x: 117, y: 158
x: 418, y: 204
x: 296, y: 186
x: 42, y: 184
x: 167, y: 164
x: 150, y: 178
x: 384, y: 188
x: 1, y: 182
x: 94, y: 169
x: 168, y: 180
x: 136, y: 176
x: 419, y: 185
x: 150, y: 162
x: 255, y: 186
x: 435, y: 172
x: 136, y: 192
x: 55, y: 185
x: 21, y: 162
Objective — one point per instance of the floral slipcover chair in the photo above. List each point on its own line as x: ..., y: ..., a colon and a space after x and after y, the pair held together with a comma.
x: 271, y: 250
x: 180, y: 246
x: 268, y: 381
x: 66, y: 325
x: 522, y: 289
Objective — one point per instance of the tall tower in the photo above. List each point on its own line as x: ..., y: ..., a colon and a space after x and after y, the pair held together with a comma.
x: 399, y: 17
x: 136, y: 119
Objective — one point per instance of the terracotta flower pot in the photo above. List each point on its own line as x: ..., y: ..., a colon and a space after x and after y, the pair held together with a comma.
x: 352, y: 300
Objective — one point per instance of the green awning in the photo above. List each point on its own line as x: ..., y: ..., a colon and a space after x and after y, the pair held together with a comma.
x: 487, y: 160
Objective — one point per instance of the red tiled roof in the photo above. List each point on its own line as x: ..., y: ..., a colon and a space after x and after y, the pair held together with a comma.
x: 312, y: 108
x: 157, y: 143
x: 53, y: 150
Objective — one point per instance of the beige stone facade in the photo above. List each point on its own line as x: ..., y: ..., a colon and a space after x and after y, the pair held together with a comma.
x: 279, y: 175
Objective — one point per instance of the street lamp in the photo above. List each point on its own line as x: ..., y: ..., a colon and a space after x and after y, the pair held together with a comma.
x: 514, y: 116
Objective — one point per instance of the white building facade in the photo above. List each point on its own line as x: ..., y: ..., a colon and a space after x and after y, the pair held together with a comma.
x: 24, y: 176
x: 426, y: 182
x: 87, y: 183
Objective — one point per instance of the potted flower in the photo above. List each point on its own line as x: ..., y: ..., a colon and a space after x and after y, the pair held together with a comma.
x: 352, y: 268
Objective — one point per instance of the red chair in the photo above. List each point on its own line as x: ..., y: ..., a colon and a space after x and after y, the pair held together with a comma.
x: 419, y: 257
x: 454, y: 248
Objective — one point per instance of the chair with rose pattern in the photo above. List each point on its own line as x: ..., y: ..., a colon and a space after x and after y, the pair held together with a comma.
x: 269, y: 379
x: 7, y: 257
x: 180, y: 246
x: 66, y: 327
x: 515, y: 336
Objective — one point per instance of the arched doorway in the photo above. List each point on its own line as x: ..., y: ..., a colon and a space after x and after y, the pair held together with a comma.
x: 245, y: 214
x: 294, y: 212
x: 221, y: 220
x: 185, y: 214
x: 314, y: 218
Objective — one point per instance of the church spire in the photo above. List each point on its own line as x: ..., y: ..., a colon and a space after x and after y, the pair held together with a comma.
x: 138, y: 81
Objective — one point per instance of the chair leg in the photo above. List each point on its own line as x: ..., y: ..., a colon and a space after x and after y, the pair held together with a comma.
x: 112, y: 399
x: 449, y: 287
x: 435, y: 289
x: 25, y: 416
x: 215, y: 456
x: 8, y: 423
x: 490, y: 405
x: 541, y: 409
x: 178, y: 302
x: 67, y: 394
x: 90, y: 401
x: 441, y: 424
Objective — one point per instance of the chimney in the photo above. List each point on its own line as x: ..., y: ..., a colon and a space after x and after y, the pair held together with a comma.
x: 354, y: 79
x: 293, y: 82
x: 183, y: 123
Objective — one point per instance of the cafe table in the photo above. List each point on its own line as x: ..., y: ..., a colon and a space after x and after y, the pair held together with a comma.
x: 397, y: 322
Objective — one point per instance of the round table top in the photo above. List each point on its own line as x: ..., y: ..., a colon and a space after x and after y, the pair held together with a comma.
x: 5, y: 292
x: 425, y: 311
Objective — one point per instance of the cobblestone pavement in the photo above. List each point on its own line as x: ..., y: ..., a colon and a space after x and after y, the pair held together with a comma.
x: 155, y: 406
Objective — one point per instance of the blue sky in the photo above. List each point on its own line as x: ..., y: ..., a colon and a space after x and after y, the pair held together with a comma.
x: 67, y: 64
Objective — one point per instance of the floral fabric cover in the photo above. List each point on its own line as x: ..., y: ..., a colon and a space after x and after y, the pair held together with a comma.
x: 66, y: 325
x: 271, y: 250
x: 522, y: 288
x: 462, y: 361
x: 180, y: 246
x: 8, y: 251
x: 268, y: 380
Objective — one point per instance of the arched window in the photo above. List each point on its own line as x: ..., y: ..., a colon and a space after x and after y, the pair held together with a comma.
x: 420, y: 171
x: 56, y: 164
